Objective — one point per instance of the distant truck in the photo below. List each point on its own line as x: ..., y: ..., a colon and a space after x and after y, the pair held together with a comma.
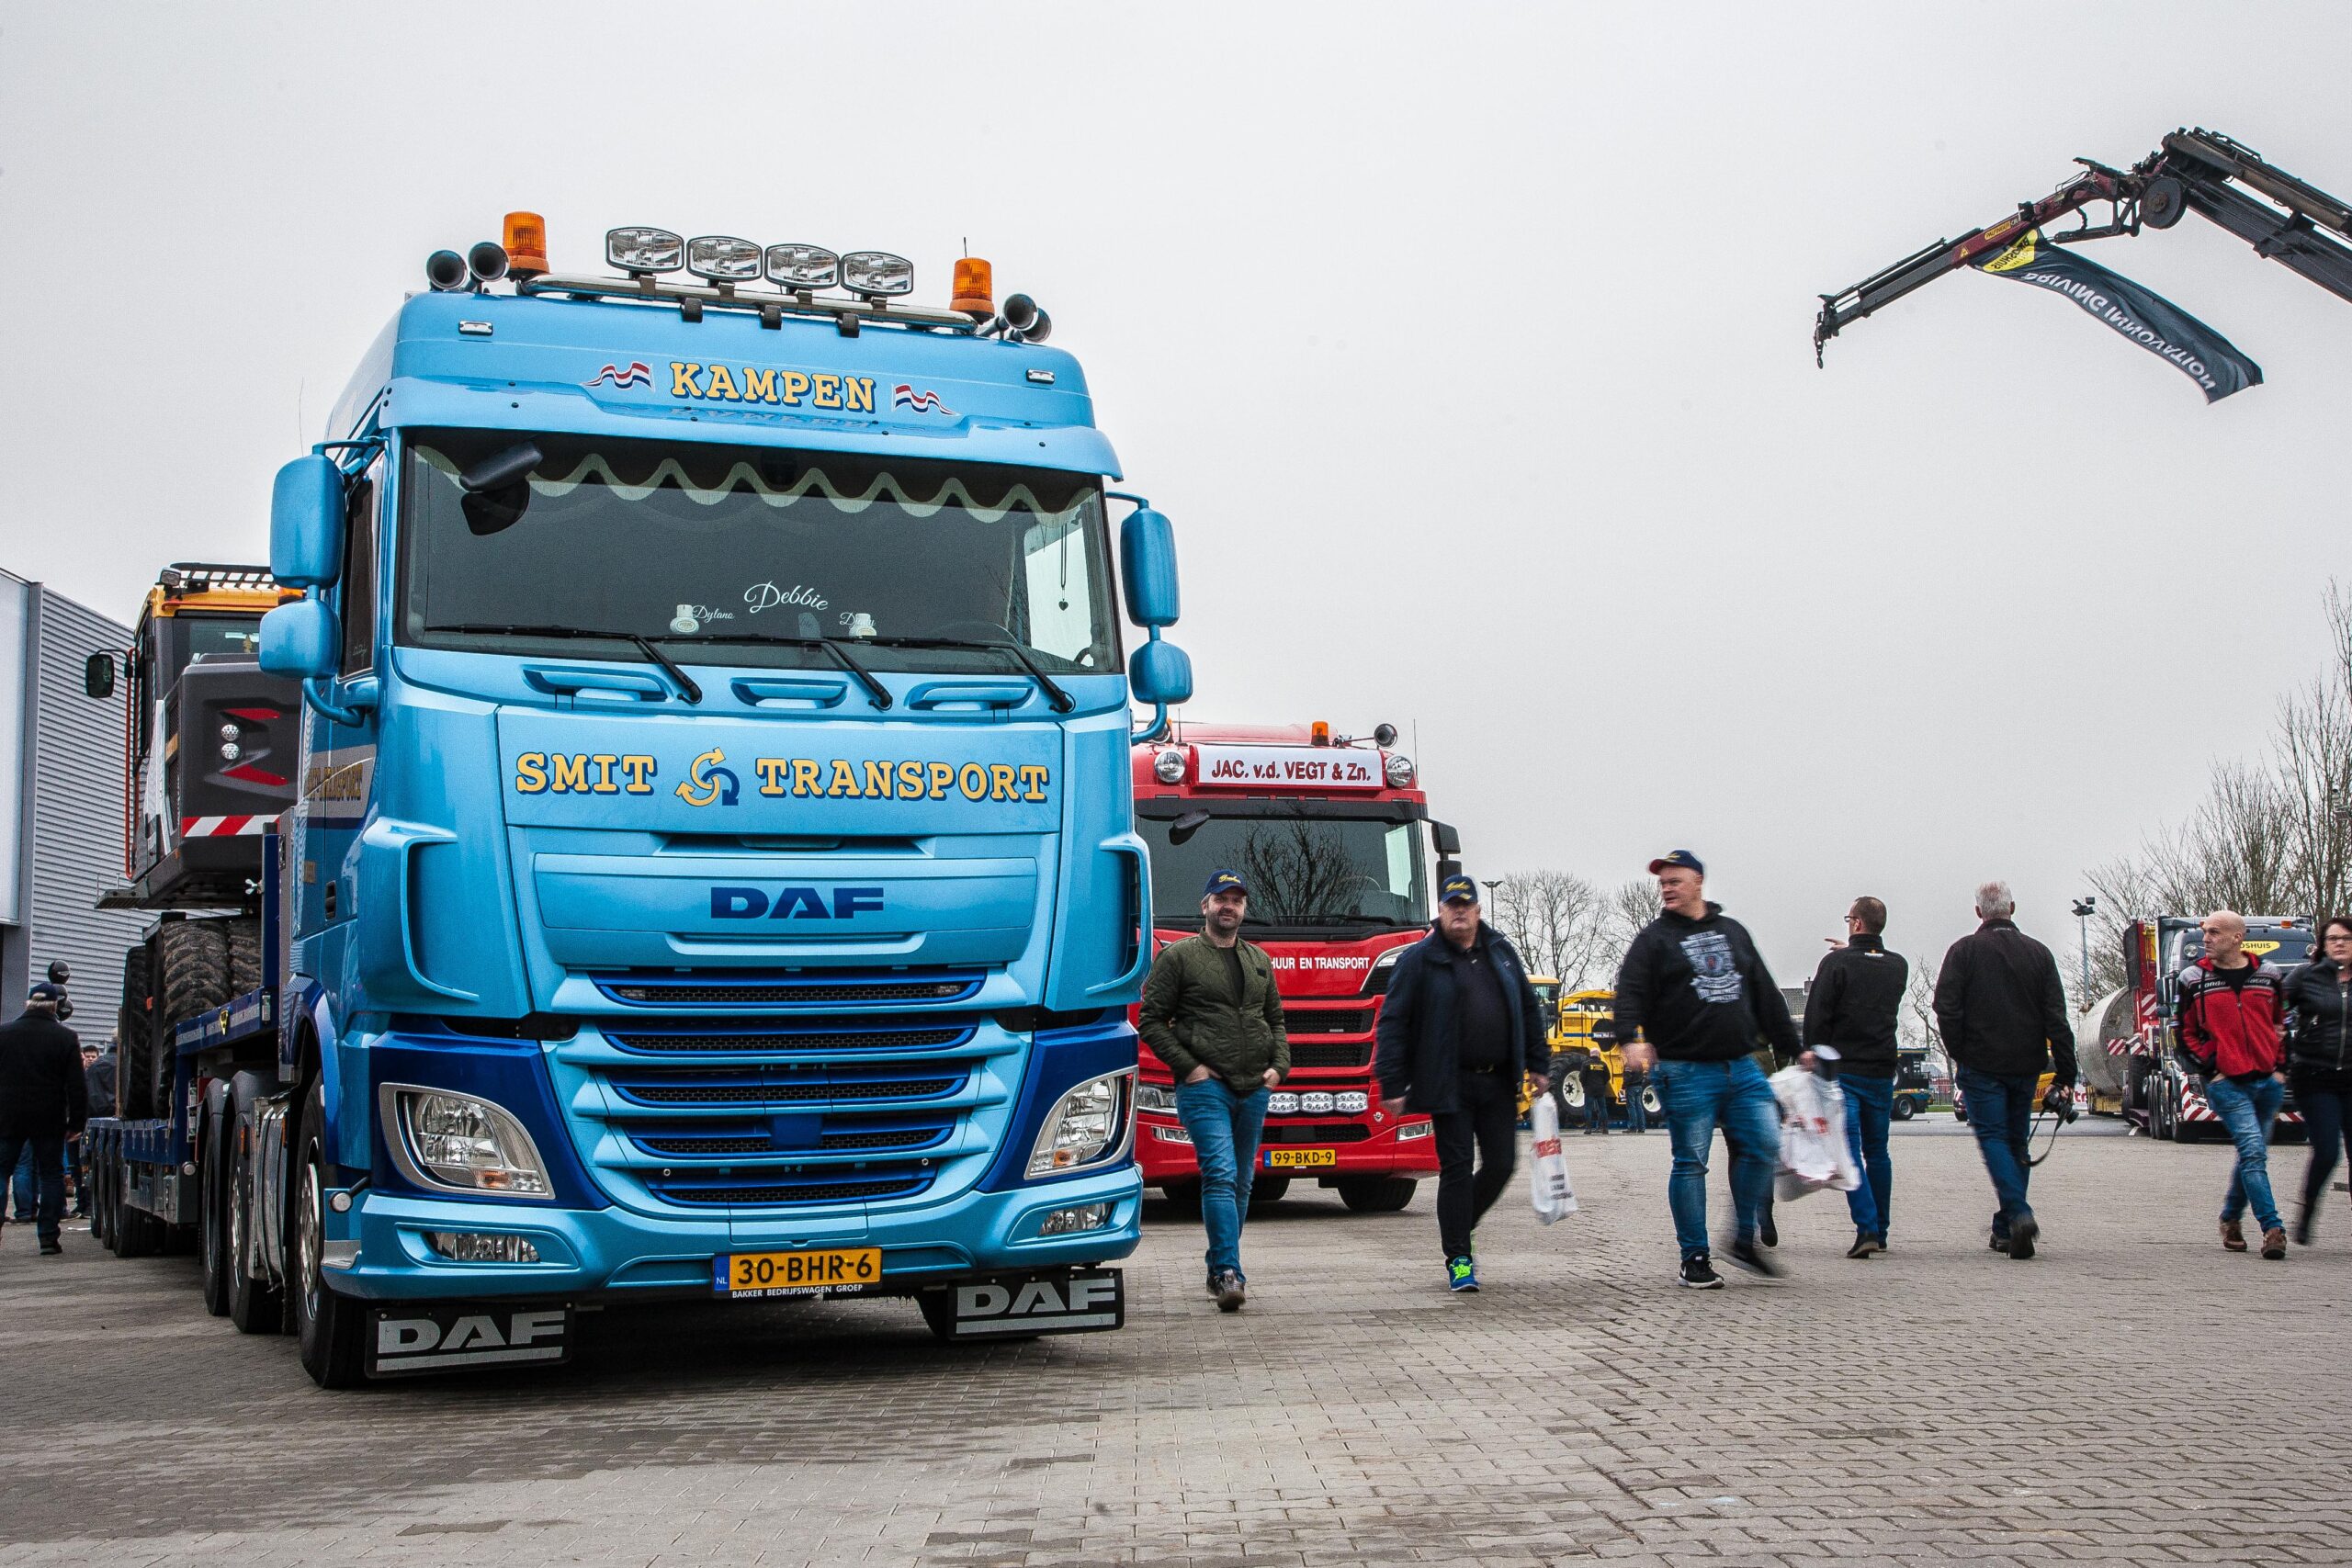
x: 1585, y: 1021
x: 1335, y: 837
x: 686, y: 847
x: 2125, y: 1046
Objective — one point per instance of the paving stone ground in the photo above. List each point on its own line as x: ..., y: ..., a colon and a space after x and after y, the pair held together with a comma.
x: 2132, y: 1395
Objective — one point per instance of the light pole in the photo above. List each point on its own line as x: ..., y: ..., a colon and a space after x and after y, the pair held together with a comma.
x: 2085, y: 907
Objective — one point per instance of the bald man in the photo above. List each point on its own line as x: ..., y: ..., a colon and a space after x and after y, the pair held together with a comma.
x: 2229, y: 1038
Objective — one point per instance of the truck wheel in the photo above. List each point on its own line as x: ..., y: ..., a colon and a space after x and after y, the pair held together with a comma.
x: 98, y: 1217
x: 242, y: 938
x: 193, y: 959
x: 212, y: 1220
x: 1376, y: 1194
x: 255, y: 1307
x: 1905, y: 1110
x: 1267, y: 1190
x: 327, y: 1327
x: 1184, y: 1194
x: 135, y: 1233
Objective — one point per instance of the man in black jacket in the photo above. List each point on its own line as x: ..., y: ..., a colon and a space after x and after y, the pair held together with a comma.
x: 1459, y: 1027
x: 1693, y: 984
x: 2002, y: 1009
x: 1850, y: 1018
x: 42, y: 1099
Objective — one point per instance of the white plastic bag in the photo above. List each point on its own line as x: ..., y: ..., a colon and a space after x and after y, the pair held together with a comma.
x: 1549, y: 1174
x: 1813, y: 1134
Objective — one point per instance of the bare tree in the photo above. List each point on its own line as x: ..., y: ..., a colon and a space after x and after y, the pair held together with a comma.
x: 1554, y: 918
x: 1634, y: 905
x: 1297, y: 872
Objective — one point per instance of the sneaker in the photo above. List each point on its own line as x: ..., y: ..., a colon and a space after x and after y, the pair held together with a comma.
x: 1699, y: 1274
x: 2021, y: 1234
x: 52, y: 1249
x: 2232, y: 1237
x: 1212, y: 1284
x: 1229, y: 1290
x: 1462, y: 1273
x: 1999, y: 1242
x: 1745, y: 1254
x: 1880, y: 1241
x: 1766, y: 1231
x: 2274, y: 1244
x: 1864, y: 1244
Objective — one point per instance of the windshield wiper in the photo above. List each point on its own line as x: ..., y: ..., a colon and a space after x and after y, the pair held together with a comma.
x: 873, y: 688
x: 687, y: 687
x: 1061, y: 700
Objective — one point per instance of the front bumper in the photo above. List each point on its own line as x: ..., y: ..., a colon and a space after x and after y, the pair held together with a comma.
x: 377, y: 1250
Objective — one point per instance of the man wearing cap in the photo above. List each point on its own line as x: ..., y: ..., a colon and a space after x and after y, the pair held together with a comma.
x: 1694, y: 988
x: 1459, y: 1027
x: 42, y: 1099
x: 1211, y: 1012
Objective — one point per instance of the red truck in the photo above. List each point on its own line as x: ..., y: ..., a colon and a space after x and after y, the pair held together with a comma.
x: 1335, y: 837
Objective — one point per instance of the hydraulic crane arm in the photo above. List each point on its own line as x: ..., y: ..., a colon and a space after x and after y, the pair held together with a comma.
x: 2190, y: 173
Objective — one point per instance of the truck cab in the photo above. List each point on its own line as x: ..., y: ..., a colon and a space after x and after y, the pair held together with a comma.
x: 1335, y: 839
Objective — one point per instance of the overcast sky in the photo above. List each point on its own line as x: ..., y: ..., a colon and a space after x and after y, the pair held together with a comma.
x: 1467, y: 346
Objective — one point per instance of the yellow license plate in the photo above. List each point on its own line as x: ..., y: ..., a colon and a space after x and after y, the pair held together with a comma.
x: 1284, y: 1160
x: 809, y: 1273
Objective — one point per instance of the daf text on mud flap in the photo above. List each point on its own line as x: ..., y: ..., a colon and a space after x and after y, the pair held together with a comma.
x: 1073, y: 1304
x: 444, y: 1336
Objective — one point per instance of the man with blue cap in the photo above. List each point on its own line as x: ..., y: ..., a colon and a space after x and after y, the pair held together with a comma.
x: 43, y: 1099
x: 1459, y: 1029
x: 1211, y: 1012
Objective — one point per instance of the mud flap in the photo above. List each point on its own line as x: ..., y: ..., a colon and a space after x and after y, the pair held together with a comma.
x: 1060, y: 1301
x: 443, y: 1336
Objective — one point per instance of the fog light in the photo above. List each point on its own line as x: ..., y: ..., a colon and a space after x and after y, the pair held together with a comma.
x: 722, y: 258
x: 1156, y: 1096
x: 231, y: 751
x: 472, y: 1246
x: 1354, y: 1100
x: 1412, y: 1130
x: 1282, y: 1105
x: 230, y: 732
x: 803, y: 266
x: 1316, y: 1105
x: 1400, y: 772
x: 1170, y: 1135
x: 641, y: 250
x: 877, y: 274
x: 1067, y: 1221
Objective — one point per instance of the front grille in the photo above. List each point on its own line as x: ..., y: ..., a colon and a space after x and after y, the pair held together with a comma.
x: 784, y: 1192
x: 1329, y: 1053
x: 787, y: 1042
x: 834, y: 1134
x: 1314, y: 1133
x: 808, y: 989
x: 739, y: 1088
x: 1327, y: 1020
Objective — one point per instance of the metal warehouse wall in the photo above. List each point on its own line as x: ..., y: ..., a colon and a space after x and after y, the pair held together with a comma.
x: 75, y: 765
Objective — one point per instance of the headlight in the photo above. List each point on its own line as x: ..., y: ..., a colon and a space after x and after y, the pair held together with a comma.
x: 644, y: 250
x: 1283, y: 1104
x: 1156, y: 1096
x: 1376, y: 979
x: 722, y: 258
x: 878, y: 273
x: 1086, y: 1126
x: 1316, y: 1104
x: 461, y: 1144
x: 1169, y: 767
x: 803, y: 266
x: 1400, y: 771
x: 1354, y: 1101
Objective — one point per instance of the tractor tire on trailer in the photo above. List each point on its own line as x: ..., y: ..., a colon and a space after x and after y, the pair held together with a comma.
x: 243, y: 940
x: 134, y: 1072
x: 192, y: 965
x: 1376, y: 1194
x: 331, y: 1329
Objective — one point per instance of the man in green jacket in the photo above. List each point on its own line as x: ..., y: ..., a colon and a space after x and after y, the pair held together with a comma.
x: 1211, y: 1012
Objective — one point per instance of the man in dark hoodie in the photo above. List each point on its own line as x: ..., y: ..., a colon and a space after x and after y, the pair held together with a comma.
x: 1459, y: 1027
x: 1693, y: 986
x: 42, y: 1099
x: 1850, y: 1017
x: 2002, y: 1011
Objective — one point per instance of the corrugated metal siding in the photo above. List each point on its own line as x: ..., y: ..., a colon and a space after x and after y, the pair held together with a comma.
x: 77, y: 814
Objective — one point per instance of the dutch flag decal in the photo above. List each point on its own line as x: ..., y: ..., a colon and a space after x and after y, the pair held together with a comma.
x: 903, y: 395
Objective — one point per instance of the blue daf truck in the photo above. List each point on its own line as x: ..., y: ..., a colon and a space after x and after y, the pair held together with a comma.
x: 703, y: 863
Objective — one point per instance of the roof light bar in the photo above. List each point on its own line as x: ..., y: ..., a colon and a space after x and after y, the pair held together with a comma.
x: 641, y: 253
x: 803, y: 266
x: 722, y: 258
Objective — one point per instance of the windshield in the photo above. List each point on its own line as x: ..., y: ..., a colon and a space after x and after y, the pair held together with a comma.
x: 236, y: 636
x: 2285, y: 946
x: 1302, y: 871
x: 684, y: 542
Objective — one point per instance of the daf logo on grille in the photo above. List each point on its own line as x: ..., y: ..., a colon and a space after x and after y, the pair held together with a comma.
x: 794, y: 903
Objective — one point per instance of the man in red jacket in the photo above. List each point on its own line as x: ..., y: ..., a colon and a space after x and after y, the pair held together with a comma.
x: 2229, y: 1036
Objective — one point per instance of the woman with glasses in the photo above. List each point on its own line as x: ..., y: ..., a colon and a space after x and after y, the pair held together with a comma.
x: 2319, y: 1060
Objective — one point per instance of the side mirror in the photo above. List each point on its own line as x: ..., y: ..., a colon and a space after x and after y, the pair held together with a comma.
x: 300, y: 640
x: 1449, y: 843
x: 306, y: 523
x: 97, y: 676
x: 1148, y: 567
x: 1160, y: 673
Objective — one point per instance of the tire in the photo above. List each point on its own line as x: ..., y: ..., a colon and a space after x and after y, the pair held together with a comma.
x: 135, y: 1233
x: 192, y: 978
x: 330, y: 1328
x: 1572, y: 1095
x: 1652, y: 1105
x: 1377, y: 1194
x: 242, y: 939
x: 134, y: 1059
x: 212, y: 1220
x: 255, y: 1307
x: 1905, y: 1110
x: 101, y: 1210
x: 1266, y: 1191
x: 1184, y: 1194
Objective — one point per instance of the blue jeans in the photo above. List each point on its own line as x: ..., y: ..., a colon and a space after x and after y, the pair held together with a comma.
x: 1637, y: 1116
x: 2247, y: 1111
x: 20, y: 1184
x: 1696, y: 1097
x: 1869, y: 1106
x: 2000, y: 1112
x: 48, y: 1156
x: 1223, y: 1127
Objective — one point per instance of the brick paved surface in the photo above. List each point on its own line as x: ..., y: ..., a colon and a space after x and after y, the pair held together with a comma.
x: 2132, y: 1395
